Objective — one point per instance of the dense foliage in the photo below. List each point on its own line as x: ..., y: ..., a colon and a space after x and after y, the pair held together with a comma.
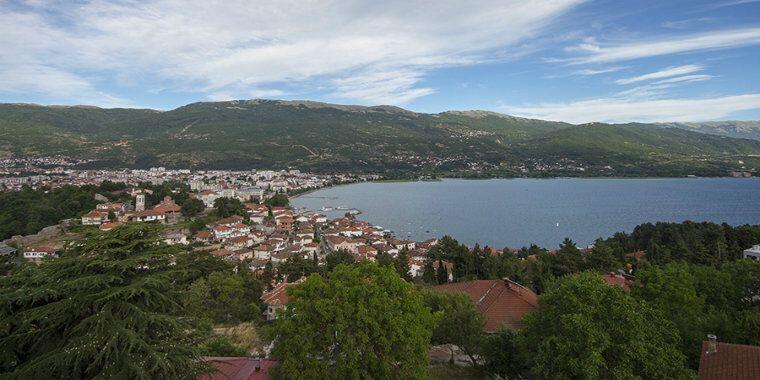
x: 278, y: 200
x: 110, y: 307
x: 28, y: 211
x: 588, y: 329
x: 360, y: 321
x: 226, y: 207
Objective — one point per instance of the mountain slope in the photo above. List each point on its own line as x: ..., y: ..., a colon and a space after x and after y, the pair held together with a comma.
x: 326, y: 137
x: 732, y: 128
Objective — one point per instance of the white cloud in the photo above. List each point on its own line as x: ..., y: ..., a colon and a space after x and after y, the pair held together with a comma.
x: 238, y: 46
x: 628, y: 110
x: 686, y: 79
x: 589, y: 72
x: 592, y: 52
x: 664, y: 73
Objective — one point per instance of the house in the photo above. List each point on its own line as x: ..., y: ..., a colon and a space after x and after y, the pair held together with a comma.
x: 117, y: 208
x: 204, y: 236
x: 6, y: 250
x: 618, y: 279
x: 170, y: 210
x: 37, y: 254
x: 263, y: 252
x: 222, y: 253
x: 94, y: 218
x: 724, y: 361
x: 503, y: 303
x: 752, y: 253
x: 365, y: 252
x: 175, y: 237
x: 276, y: 299
x: 149, y: 216
x: 237, y: 368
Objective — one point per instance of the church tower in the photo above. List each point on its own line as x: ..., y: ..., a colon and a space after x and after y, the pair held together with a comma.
x: 140, y: 202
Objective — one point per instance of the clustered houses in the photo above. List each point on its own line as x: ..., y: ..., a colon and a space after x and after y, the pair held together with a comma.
x: 17, y: 173
x: 110, y: 214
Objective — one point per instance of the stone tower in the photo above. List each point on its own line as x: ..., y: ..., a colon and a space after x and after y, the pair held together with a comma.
x: 140, y: 202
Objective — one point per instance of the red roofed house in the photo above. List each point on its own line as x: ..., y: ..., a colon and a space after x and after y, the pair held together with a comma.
x: 502, y: 302
x: 230, y: 368
x: 618, y: 279
x: 724, y: 361
x: 94, y: 218
x: 276, y: 299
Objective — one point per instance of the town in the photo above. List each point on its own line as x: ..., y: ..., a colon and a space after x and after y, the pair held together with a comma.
x: 244, y: 219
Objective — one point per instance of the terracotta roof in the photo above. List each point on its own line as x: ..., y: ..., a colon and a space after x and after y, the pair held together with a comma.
x: 729, y: 361
x: 502, y: 302
x: 278, y: 295
x: 229, y: 368
x: 618, y: 279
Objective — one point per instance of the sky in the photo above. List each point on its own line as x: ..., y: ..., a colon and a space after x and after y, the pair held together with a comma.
x: 569, y: 60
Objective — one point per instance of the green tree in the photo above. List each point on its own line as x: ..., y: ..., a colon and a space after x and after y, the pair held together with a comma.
x: 401, y: 264
x: 226, y: 207
x: 341, y: 256
x: 109, y: 307
x: 225, y: 297
x: 502, y: 355
x: 362, y: 321
x: 602, y: 258
x: 192, y: 207
x: 587, y: 329
x: 671, y: 290
x: 459, y: 323
x: 278, y: 200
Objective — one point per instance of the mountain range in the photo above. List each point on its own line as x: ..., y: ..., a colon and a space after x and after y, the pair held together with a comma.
x: 389, y: 140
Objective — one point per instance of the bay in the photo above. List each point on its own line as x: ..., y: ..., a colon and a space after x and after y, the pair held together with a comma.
x: 519, y: 212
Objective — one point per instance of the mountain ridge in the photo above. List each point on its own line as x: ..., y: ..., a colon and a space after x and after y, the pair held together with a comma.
x: 319, y: 136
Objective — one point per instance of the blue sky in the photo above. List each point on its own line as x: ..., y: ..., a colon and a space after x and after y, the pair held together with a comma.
x: 571, y: 60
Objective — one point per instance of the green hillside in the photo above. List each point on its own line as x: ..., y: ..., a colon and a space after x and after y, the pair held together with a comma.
x: 385, y: 139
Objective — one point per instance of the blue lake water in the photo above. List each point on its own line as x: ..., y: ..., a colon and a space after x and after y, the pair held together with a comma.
x: 518, y: 212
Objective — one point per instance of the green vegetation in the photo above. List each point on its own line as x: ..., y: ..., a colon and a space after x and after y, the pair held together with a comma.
x: 360, y: 321
x: 28, y: 211
x: 590, y: 330
x: 192, y: 207
x: 387, y: 140
x: 108, y: 308
x: 226, y: 207
x: 226, y: 298
x: 278, y: 200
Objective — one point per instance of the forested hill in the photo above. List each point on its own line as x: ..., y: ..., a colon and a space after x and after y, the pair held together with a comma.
x: 384, y: 139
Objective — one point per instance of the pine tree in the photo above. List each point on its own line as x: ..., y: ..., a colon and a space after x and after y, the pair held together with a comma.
x: 109, y: 307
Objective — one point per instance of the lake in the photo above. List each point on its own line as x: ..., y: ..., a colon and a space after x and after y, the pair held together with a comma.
x: 518, y: 212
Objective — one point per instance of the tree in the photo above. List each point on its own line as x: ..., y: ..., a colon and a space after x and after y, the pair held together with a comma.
x: 670, y: 290
x: 226, y: 207
x: 603, y: 258
x: 401, y: 263
x: 362, y: 321
x: 192, y: 207
x: 225, y: 297
x: 442, y: 275
x: 109, y: 307
x: 502, y: 355
x: 278, y: 200
x: 341, y: 256
x: 585, y: 328
x: 459, y: 323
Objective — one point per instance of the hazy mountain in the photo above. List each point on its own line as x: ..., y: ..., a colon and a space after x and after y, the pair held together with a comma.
x: 732, y: 128
x: 329, y: 137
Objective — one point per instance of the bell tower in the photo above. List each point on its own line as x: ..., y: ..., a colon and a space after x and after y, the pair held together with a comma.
x: 140, y: 202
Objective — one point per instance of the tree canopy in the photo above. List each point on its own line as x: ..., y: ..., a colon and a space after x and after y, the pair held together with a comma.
x: 585, y: 328
x: 109, y: 307
x: 226, y: 207
x: 361, y: 321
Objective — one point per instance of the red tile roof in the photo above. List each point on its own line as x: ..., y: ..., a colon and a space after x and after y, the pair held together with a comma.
x: 729, y: 361
x: 502, y: 302
x: 229, y: 368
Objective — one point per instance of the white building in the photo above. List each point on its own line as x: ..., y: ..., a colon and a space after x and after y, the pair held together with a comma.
x: 752, y: 253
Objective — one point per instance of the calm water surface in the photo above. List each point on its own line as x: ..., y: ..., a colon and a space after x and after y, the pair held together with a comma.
x: 518, y: 212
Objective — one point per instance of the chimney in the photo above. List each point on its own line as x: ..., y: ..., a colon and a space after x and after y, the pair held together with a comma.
x: 257, y: 365
x: 712, y: 345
